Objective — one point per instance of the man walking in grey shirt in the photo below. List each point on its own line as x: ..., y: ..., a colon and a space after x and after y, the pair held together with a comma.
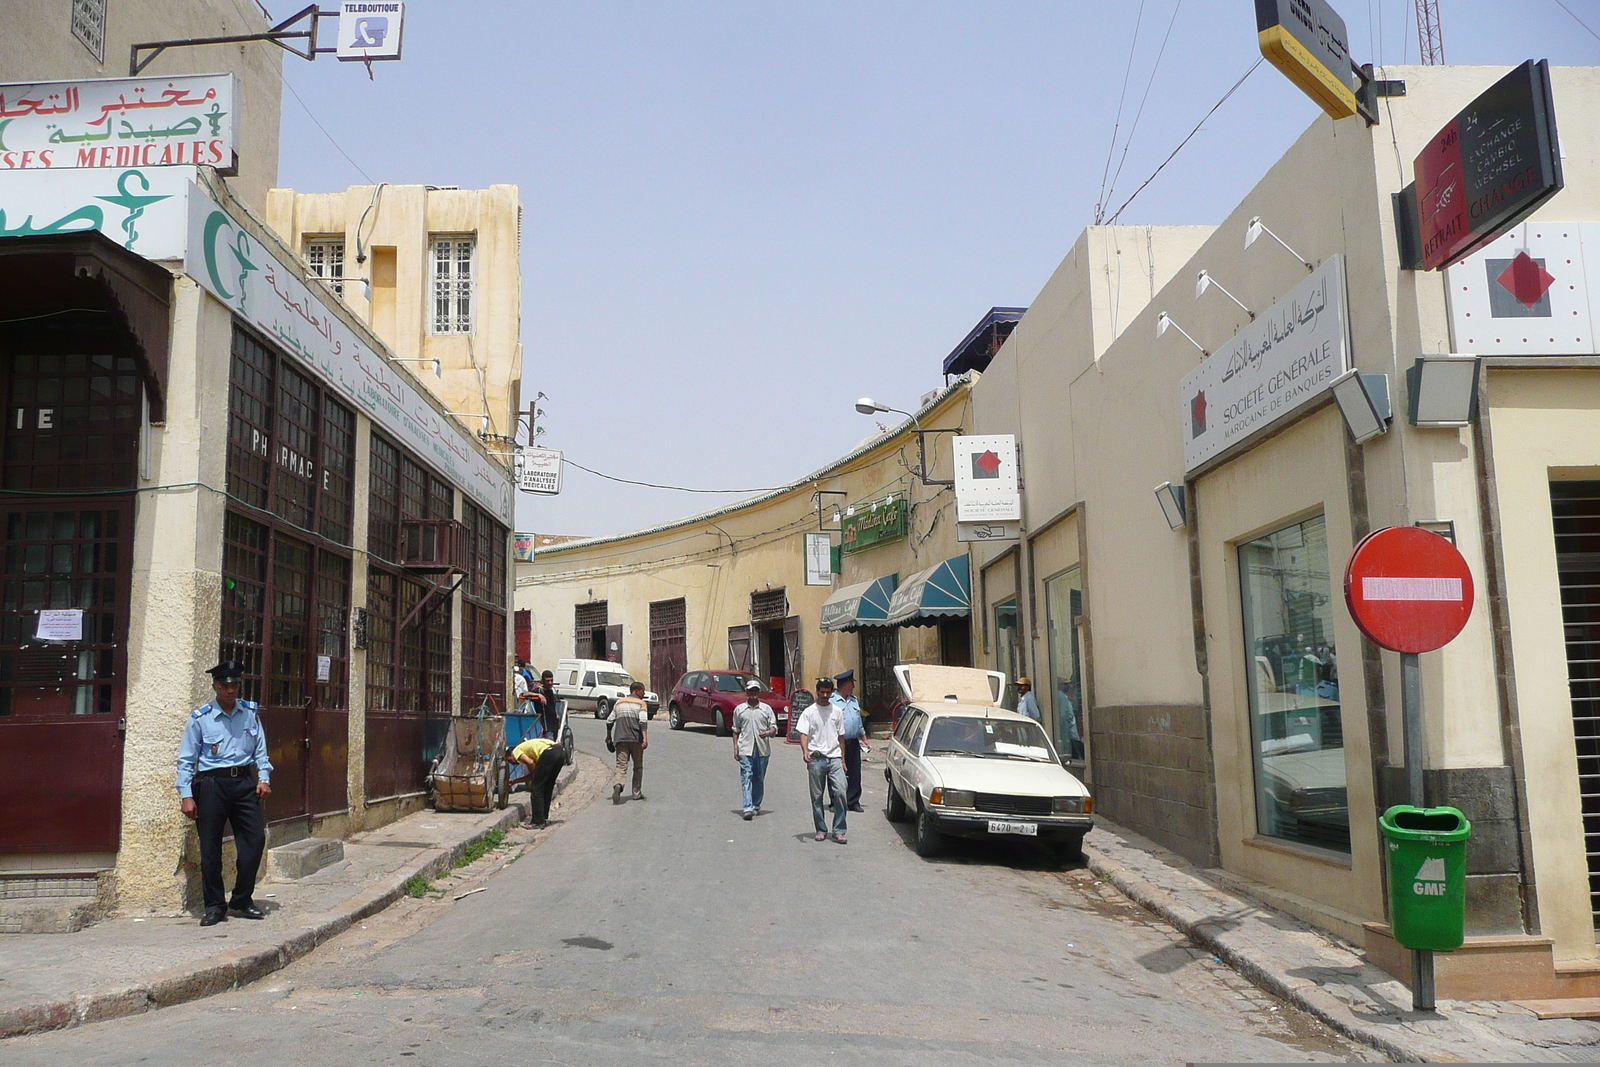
x: 754, y: 726
x: 627, y: 731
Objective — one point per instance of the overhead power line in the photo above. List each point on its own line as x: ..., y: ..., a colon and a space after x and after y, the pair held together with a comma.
x: 1576, y: 19
x: 675, y: 488
x: 1185, y: 141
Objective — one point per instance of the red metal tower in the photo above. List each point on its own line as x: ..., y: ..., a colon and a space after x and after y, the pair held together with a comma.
x: 1430, y: 36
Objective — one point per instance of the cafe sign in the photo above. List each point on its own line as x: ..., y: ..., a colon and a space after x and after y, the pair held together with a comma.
x: 1282, y: 361
x: 873, y: 526
x: 100, y: 123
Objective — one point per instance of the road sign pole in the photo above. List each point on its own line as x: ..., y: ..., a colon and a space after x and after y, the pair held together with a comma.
x: 1411, y: 724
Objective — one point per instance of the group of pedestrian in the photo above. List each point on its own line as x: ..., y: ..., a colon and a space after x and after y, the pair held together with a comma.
x: 537, y: 699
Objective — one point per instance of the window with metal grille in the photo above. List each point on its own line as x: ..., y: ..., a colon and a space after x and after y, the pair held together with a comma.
x: 338, y: 470
x: 294, y: 477
x: 769, y: 606
x: 380, y: 640
x: 333, y: 630
x: 244, y: 599
x: 72, y: 422
x: 588, y: 616
x: 1575, y: 507
x: 383, y: 507
x: 483, y: 655
x: 325, y: 258
x: 487, y: 580
x: 453, y: 284
x: 89, y: 26
x: 253, y: 370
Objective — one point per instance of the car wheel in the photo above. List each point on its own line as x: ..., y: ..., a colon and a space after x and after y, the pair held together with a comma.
x: 930, y: 842
x: 896, y: 808
x: 1070, y: 850
x: 601, y: 706
x: 722, y: 726
x: 674, y: 717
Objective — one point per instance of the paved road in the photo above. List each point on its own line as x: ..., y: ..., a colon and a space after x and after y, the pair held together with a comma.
x: 671, y: 931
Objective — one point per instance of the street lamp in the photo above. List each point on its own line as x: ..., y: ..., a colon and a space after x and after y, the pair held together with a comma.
x: 437, y: 370
x: 1444, y: 390
x: 868, y: 406
x: 1363, y: 400
x: 1204, y: 281
x: 1173, y: 505
x: 1255, y: 228
x: 1164, y: 323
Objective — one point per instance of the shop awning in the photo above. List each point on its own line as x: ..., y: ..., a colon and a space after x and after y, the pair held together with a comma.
x: 863, y: 604
x: 939, y: 591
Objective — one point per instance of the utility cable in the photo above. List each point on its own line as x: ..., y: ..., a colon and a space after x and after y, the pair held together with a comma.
x: 1186, y: 140
x: 676, y: 488
x: 1100, y: 203
x: 1127, y: 142
x: 1576, y: 19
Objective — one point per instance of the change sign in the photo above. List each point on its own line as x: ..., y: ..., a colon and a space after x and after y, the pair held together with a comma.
x: 1489, y: 167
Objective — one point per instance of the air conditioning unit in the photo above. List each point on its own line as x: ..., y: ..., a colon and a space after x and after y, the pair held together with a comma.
x: 434, y: 545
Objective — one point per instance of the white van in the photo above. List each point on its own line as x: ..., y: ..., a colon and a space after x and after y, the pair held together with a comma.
x: 595, y: 684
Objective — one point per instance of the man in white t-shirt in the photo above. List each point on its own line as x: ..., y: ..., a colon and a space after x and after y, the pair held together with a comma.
x: 820, y: 727
x: 754, y: 726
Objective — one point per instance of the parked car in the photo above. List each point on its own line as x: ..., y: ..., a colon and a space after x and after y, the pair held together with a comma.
x: 961, y: 765
x: 711, y: 697
x: 596, y: 684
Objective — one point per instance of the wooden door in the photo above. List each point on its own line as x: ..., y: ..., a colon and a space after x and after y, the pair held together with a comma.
x: 669, y: 653
x: 791, y: 648
x: 614, y: 644
x: 738, y: 648
x: 61, y: 701
x: 880, y: 649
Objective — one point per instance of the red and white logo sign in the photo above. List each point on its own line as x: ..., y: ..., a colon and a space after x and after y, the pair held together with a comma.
x: 1408, y: 589
x: 1534, y: 291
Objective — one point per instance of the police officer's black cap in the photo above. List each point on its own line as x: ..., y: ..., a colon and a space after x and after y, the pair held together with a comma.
x: 229, y: 670
x: 845, y: 676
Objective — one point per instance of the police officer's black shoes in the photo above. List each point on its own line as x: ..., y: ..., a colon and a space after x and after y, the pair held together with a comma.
x: 212, y: 918
x: 249, y: 911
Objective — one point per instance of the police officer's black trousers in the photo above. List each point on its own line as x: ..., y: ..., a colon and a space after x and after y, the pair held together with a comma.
x: 542, y: 787
x: 234, y: 801
x: 852, y: 770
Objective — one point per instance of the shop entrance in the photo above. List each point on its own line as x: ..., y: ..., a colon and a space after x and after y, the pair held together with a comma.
x: 880, y: 649
x: 778, y: 654
x: 1576, y: 510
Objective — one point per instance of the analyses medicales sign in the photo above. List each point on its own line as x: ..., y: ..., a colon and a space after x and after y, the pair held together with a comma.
x: 1283, y: 360
x: 120, y: 122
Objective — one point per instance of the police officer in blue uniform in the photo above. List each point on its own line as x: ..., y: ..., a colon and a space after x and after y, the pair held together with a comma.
x: 853, y: 738
x: 223, y: 771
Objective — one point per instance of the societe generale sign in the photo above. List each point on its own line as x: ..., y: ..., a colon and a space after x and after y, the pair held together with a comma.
x: 1282, y: 361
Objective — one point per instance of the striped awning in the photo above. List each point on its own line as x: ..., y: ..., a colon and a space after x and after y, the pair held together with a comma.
x: 927, y: 596
x: 863, y: 604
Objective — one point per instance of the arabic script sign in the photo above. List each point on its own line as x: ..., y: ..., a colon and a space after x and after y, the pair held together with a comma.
x: 119, y: 122
x: 142, y: 209
x: 539, y: 471
x: 986, y: 487
x: 1281, y: 361
x: 238, y: 270
x: 1306, y: 39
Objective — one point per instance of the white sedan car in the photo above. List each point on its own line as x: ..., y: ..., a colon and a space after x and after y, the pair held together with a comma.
x: 961, y: 765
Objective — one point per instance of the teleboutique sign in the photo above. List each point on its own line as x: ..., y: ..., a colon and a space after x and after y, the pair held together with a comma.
x: 120, y: 122
x: 1283, y: 360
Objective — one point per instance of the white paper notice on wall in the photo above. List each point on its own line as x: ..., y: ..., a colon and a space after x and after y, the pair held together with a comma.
x: 60, y: 624
x: 324, y: 668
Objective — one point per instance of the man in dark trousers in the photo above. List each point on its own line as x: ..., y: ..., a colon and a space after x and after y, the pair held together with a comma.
x: 544, y: 758
x: 853, y: 737
x: 223, y: 772
x: 549, y: 711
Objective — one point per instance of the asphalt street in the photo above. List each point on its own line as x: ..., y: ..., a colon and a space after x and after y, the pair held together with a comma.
x: 670, y: 930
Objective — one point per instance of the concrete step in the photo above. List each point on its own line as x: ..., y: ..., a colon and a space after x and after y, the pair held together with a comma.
x: 1564, y: 1008
x: 48, y: 915
x: 306, y: 856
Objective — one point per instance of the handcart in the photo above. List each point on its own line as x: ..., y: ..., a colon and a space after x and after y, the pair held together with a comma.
x: 521, y: 727
x: 471, y: 772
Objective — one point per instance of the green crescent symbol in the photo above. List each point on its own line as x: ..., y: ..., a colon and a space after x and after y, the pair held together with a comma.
x: 209, y: 243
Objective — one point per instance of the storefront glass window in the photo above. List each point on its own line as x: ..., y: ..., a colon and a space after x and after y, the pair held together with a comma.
x: 1063, y: 695
x: 1296, y: 728
x: 1006, y: 651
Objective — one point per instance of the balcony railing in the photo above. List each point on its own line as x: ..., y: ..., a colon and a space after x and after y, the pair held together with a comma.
x: 434, y: 545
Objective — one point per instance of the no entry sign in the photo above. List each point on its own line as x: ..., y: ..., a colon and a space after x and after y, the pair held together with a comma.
x: 1408, y: 589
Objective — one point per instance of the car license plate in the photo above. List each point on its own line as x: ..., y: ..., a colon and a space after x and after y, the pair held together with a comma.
x: 1026, y: 829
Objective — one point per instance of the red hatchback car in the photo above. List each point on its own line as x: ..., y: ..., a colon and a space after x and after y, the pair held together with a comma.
x: 711, y: 697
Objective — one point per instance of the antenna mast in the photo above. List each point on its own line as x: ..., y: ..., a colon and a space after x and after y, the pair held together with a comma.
x: 1430, y: 36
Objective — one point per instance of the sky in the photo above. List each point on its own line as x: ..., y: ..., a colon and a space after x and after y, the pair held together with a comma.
x: 740, y: 217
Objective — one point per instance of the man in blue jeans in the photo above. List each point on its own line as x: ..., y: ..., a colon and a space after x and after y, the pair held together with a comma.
x: 754, y: 726
x: 820, y: 727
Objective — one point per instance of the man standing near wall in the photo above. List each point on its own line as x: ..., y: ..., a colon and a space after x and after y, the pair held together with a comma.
x: 819, y: 747
x: 627, y: 730
x: 754, y: 726
x: 1027, y: 703
x: 223, y: 771
x: 853, y: 735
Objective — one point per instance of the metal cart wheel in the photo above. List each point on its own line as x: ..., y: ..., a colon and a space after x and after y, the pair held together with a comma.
x: 502, y: 784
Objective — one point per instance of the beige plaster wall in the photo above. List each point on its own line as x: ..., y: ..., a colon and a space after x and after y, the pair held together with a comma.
x: 37, y: 45
x: 481, y: 372
x: 1546, y: 424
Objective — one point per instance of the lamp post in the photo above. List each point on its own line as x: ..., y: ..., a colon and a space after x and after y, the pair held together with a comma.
x: 868, y: 406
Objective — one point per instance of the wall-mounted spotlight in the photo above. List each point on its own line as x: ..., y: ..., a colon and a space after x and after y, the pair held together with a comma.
x: 1173, y: 504
x: 1443, y: 390
x: 1255, y: 228
x: 1364, y: 402
x: 1204, y: 281
x: 470, y: 415
x: 1164, y: 322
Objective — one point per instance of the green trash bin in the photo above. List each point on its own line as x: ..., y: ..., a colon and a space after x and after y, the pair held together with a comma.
x: 1427, y: 853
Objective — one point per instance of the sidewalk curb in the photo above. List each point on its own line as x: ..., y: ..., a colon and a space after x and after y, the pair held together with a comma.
x: 229, y: 970
x: 1302, y: 993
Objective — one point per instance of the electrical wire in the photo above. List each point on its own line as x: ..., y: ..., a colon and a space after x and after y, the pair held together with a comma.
x: 1127, y: 142
x: 1186, y: 140
x: 1116, y: 125
x: 675, y: 488
x: 1576, y: 19
x: 53, y: 314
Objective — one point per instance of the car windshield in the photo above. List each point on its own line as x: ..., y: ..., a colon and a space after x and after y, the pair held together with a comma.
x: 732, y: 683
x: 622, y: 681
x: 988, y: 739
